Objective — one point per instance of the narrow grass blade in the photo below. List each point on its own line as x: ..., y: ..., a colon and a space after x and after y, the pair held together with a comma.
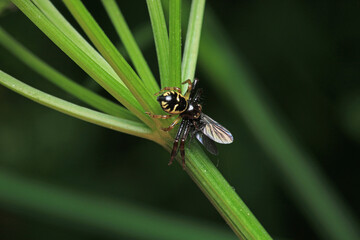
x: 131, y: 46
x: 101, y: 119
x: 221, y: 194
x: 62, y: 81
x: 161, y: 39
x: 94, y: 68
x: 310, y: 189
x: 112, y: 55
x: 143, y: 36
x: 58, y: 20
x: 192, y: 42
x: 175, y: 43
x: 98, y: 215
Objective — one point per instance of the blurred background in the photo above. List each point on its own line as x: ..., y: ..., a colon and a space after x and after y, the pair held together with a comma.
x: 304, y: 60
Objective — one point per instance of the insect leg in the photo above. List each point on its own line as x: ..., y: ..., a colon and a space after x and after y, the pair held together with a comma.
x: 176, y: 142
x: 197, y: 96
x: 188, y: 91
x: 177, y: 120
x: 197, y: 127
x: 195, y: 82
x: 159, y: 116
x: 182, y: 143
x: 168, y: 89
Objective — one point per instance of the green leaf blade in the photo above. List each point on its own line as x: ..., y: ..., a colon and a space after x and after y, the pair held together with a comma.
x: 131, y: 46
x: 101, y: 119
x: 221, y: 194
x: 192, y: 41
x: 112, y: 55
x: 175, y: 43
x: 161, y: 39
x: 62, y: 81
x: 58, y: 20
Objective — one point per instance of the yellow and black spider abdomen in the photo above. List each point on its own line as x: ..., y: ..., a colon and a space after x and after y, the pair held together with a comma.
x: 173, y: 102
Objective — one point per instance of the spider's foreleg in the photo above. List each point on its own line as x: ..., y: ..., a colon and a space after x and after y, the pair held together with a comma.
x: 176, y: 142
x: 188, y: 91
x: 168, y: 89
x: 159, y: 116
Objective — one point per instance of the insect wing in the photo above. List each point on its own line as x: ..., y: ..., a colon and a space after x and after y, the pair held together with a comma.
x: 215, y: 131
x: 207, y: 142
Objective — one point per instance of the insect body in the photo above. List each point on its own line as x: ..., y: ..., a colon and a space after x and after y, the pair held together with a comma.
x: 193, y: 121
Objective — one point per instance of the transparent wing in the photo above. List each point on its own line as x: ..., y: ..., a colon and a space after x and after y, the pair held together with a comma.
x: 215, y: 131
x: 207, y: 142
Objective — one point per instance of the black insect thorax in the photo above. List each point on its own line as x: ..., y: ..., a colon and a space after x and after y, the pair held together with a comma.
x: 192, y: 112
x: 173, y: 102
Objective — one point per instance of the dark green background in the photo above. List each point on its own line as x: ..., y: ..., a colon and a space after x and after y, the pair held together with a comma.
x: 306, y: 56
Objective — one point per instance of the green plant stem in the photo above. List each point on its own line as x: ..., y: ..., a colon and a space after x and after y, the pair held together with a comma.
x: 310, y: 189
x: 221, y: 194
x: 58, y: 20
x: 161, y: 39
x: 143, y: 36
x: 89, y: 64
x: 192, y: 42
x: 131, y: 46
x: 99, y: 215
x: 98, y: 118
x: 62, y: 81
x: 112, y: 55
x: 175, y: 43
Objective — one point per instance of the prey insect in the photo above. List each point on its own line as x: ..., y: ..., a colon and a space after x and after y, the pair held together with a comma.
x: 188, y: 110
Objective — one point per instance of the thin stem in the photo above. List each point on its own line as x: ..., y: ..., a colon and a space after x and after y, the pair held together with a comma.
x: 221, y: 194
x: 112, y: 55
x: 131, y: 46
x: 192, y: 42
x: 58, y: 20
x: 161, y: 39
x: 101, y: 119
x: 175, y: 43
x: 62, y: 81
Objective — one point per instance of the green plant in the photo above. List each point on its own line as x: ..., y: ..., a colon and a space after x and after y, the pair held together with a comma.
x: 133, y: 88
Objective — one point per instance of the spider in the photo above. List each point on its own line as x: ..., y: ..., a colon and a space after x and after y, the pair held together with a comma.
x: 193, y: 121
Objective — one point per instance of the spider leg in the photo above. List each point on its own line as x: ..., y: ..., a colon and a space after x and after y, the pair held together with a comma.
x: 159, y: 116
x: 182, y: 143
x: 176, y: 142
x: 172, y: 125
x: 188, y: 91
x: 168, y: 89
